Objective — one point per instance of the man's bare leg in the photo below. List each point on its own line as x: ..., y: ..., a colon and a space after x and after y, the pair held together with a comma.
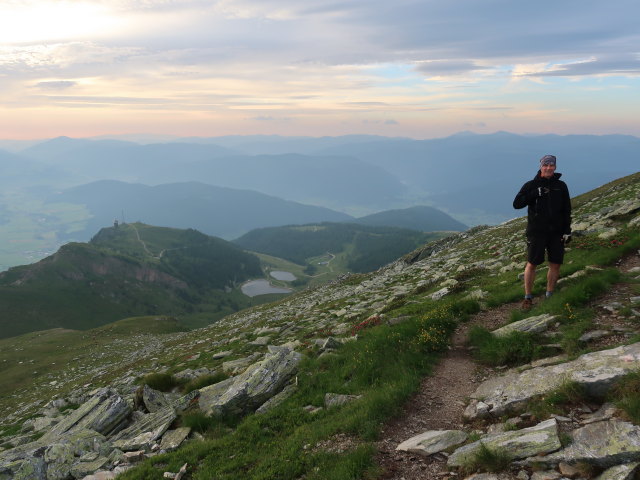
x: 529, y: 277
x: 552, y: 277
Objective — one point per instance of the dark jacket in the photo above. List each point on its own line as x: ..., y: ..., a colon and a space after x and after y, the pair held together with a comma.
x: 549, y: 213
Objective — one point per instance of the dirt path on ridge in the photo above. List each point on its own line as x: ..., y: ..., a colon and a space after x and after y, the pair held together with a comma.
x: 443, y: 395
x: 438, y: 404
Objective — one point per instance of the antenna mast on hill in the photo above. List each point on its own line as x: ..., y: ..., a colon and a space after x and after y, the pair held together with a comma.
x: 123, y: 222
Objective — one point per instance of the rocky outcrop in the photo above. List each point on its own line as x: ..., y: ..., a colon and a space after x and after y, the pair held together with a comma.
x: 252, y: 388
x: 596, y: 372
x: 106, y: 413
x: 528, y: 442
x: 94, y: 436
x: 603, y: 444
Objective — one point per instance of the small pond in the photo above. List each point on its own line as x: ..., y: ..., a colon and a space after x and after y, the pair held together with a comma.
x: 254, y: 288
x: 284, y: 276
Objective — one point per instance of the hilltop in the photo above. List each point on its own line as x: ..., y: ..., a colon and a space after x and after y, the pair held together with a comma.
x: 132, y: 269
x: 327, y: 367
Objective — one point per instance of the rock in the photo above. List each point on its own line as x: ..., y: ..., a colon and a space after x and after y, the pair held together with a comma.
x: 31, y: 469
x: 44, y: 423
x: 220, y: 355
x: 336, y: 400
x: 261, y: 341
x: 593, y: 335
x: 59, y: 459
x: 604, y: 444
x: 567, y: 470
x: 144, y: 432
x: 255, y: 386
x: 439, y: 294
x: 106, y: 413
x: 133, y: 457
x: 102, y: 475
x: 81, y: 469
x: 331, y: 343
x: 235, y: 367
x: 545, y: 475
x: 278, y: 398
x: 539, y: 439
x: 605, y: 412
x: 620, y: 472
x: 595, y: 371
x: 433, y: 441
x: 535, y: 324
x: 154, y: 400
x: 172, y: 439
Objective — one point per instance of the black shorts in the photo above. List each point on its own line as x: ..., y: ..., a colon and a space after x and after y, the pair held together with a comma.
x: 539, y: 244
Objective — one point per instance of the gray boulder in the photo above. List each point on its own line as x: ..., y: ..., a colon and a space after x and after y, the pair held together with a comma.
x: 154, y: 400
x: 536, y: 324
x: 604, y: 444
x: 253, y: 387
x: 173, y: 438
x: 620, y: 472
x: 433, y: 441
x: 105, y: 413
x: 143, y: 433
x: 595, y: 371
x: 528, y: 442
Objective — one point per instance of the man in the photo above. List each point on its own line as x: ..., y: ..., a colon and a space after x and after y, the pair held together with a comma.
x: 548, y: 224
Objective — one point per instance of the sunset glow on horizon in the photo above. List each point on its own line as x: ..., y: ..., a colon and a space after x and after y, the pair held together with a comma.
x: 418, y: 69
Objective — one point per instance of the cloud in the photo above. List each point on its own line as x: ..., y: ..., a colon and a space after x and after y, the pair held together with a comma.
x: 447, y: 67
x: 56, y: 85
x: 614, y: 65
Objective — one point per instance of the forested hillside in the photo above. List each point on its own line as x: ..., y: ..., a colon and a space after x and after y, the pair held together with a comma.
x: 130, y: 270
x: 365, y: 248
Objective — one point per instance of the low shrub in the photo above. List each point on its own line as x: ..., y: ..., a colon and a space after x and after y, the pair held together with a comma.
x: 488, y: 460
x: 163, y: 382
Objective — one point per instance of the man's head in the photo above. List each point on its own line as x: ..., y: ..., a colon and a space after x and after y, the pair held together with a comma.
x: 547, y: 166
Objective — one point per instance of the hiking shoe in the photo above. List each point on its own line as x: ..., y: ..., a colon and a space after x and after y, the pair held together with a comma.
x: 527, y: 304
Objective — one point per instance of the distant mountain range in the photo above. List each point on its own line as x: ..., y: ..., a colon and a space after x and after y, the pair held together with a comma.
x: 219, y: 211
x: 425, y: 219
x: 472, y: 177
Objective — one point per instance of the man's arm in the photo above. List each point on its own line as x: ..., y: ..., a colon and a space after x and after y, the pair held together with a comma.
x: 567, y: 210
x: 525, y: 196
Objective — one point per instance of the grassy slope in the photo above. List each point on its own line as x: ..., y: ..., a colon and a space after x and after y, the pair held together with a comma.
x: 35, y: 358
x: 283, y: 443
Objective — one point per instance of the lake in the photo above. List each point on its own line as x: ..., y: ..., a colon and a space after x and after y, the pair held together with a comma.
x: 285, y: 276
x: 254, y: 288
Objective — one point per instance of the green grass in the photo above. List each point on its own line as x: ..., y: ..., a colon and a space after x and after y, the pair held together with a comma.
x: 569, y: 393
x: 488, y: 459
x: 626, y: 395
x: 272, y: 445
x: 516, y: 348
x: 31, y: 359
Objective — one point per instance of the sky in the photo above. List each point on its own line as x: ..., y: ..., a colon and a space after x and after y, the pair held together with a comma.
x: 419, y: 69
